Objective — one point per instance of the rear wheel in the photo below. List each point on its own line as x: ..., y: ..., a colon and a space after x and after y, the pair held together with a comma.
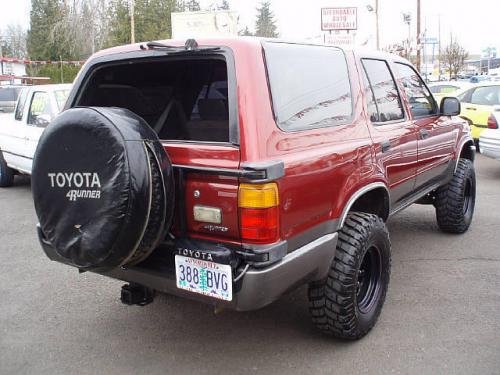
x: 6, y: 173
x: 455, y: 201
x: 348, y: 303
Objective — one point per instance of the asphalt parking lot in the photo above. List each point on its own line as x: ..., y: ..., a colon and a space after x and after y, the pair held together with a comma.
x: 441, y: 314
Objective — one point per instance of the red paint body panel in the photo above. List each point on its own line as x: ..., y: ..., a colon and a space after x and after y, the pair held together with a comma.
x: 324, y: 167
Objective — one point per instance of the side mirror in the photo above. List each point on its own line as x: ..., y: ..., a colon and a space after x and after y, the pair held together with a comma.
x: 42, y: 120
x: 450, y: 106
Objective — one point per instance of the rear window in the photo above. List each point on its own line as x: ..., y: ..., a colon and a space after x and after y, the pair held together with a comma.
x: 181, y: 99
x: 8, y: 94
x: 309, y: 85
x: 488, y: 95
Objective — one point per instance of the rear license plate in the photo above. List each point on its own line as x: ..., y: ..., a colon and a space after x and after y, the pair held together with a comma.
x: 202, y: 277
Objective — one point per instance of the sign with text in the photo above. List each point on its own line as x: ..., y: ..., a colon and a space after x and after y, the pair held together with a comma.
x: 339, y: 18
x: 340, y: 40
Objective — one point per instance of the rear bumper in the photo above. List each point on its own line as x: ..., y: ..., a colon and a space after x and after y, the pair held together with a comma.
x: 259, y: 286
x: 490, y: 145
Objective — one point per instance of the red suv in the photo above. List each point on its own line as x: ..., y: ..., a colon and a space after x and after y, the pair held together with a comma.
x: 231, y: 171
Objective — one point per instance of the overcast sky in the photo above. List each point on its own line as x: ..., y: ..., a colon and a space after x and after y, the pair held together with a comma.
x: 474, y: 22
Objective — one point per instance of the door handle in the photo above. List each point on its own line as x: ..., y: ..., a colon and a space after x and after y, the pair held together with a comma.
x: 386, y: 146
x: 424, y: 134
x: 471, y: 108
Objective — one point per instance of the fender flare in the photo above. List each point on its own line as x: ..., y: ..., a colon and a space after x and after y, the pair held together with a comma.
x: 357, y: 194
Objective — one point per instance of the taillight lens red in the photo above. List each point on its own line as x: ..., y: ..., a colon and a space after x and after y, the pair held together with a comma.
x: 492, y: 122
x: 259, y: 225
x: 259, y: 212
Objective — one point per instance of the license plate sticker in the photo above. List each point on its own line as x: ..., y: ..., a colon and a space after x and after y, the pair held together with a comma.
x: 203, y: 277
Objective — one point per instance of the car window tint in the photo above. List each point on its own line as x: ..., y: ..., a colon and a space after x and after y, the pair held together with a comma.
x: 487, y: 95
x: 385, y: 92
x: 419, y: 97
x: 21, y: 102
x: 309, y: 85
x: 39, y: 112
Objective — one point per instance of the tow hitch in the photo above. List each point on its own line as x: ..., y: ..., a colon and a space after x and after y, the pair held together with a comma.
x: 136, y: 294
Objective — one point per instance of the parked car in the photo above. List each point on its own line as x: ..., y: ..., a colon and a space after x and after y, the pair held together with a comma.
x: 8, y: 98
x: 489, y: 141
x: 20, y: 131
x: 479, y: 78
x: 231, y: 171
x: 448, y: 88
x: 477, y: 104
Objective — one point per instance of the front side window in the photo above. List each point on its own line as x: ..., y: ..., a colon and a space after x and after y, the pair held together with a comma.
x: 419, y: 97
x: 386, y: 96
x: 487, y: 95
x: 309, y: 85
x: 39, y: 113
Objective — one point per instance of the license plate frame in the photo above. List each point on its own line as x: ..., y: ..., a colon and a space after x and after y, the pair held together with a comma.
x: 212, y: 279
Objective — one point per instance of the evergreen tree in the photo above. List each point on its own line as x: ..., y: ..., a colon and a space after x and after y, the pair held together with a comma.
x: 45, y: 42
x: 152, y: 20
x: 245, y: 32
x: 265, y: 25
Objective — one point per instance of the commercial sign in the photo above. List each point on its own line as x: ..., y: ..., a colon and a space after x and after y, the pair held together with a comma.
x: 340, y: 40
x: 204, y: 24
x: 339, y: 18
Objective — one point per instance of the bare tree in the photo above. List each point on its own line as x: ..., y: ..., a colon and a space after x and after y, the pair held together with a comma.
x: 453, y: 57
x: 13, y: 41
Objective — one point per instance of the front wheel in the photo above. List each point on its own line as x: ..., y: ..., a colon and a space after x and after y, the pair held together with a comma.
x: 455, y: 201
x: 6, y: 173
x: 348, y: 303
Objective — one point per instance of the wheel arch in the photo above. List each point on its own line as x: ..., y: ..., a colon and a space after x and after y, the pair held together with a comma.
x: 372, y: 198
x: 466, y: 150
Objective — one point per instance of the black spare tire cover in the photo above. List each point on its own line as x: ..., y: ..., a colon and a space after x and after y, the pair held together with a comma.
x: 103, y: 187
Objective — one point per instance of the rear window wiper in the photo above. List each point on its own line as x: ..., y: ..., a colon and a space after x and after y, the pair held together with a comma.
x: 191, y: 45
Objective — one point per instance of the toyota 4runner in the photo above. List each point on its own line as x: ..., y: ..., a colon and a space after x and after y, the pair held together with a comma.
x: 231, y: 171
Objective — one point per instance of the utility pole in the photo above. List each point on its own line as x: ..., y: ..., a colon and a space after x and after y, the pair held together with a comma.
x: 62, y: 75
x: 418, y: 35
x: 376, y: 24
x: 132, y: 21
x: 439, y: 57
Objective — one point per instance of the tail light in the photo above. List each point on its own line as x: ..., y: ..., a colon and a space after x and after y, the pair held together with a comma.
x: 259, y: 212
x: 492, y: 122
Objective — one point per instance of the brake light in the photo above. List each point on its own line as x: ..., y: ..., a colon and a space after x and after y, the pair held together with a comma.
x: 259, y: 212
x: 492, y: 122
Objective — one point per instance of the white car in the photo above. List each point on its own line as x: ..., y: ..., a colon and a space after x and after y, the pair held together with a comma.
x: 489, y: 141
x: 20, y: 131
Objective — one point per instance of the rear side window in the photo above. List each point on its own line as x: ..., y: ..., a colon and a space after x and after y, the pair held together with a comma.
x: 419, y: 97
x: 487, y: 95
x: 387, y: 103
x: 309, y: 85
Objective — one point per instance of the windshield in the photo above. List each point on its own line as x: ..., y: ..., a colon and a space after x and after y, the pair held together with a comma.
x: 61, y: 96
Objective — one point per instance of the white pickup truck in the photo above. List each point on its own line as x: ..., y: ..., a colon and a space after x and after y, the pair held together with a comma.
x: 20, y: 131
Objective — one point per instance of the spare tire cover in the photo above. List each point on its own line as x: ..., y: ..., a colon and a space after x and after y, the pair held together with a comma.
x: 91, y: 184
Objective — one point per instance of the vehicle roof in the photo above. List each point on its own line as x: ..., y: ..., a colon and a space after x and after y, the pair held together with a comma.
x: 248, y: 42
x: 452, y: 83
x: 51, y: 87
